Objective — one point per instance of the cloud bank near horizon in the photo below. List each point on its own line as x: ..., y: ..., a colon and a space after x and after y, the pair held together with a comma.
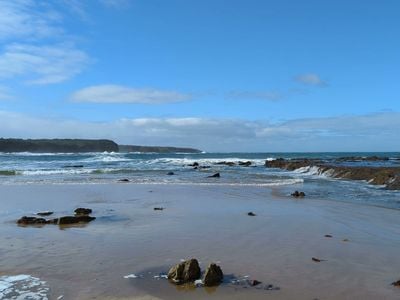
x: 373, y: 132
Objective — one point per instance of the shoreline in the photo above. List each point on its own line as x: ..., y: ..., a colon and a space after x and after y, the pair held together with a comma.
x: 206, y: 222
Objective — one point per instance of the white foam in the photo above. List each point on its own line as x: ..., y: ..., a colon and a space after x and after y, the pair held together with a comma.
x: 131, y: 276
x: 23, y: 287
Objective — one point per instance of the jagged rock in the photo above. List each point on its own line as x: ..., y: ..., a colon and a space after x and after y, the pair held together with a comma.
x: 31, y: 221
x: 213, y: 275
x: 216, y: 175
x: 68, y: 220
x: 187, y: 271
x: 82, y: 211
x: 170, y: 173
x: 298, y: 194
x: 44, y: 213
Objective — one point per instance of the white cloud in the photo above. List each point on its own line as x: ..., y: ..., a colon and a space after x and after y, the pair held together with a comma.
x: 122, y: 94
x: 28, y: 19
x: 374, y: 132
x: 311, y: 79
x: 42, y: 64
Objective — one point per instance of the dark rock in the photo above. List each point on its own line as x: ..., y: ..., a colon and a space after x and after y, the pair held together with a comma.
x: 68, y: 220
x: 317, y: 259
x: 82, y: 211
x: 345, y: 240
x: 298, y: 194
x: 187, y: 271
x: 158, y: 208
x: 213, y: 275
x: 254, y: 282
x: 226, y: 163
x: 31, y: 221
x: 396, y: 283
x: 216, y: 175
x: 74, y: 166
x: 204, y: 167
x: 244, y: 163
x: 251, y: 214
x: 123, y: 180
x: 195, y: 164
x: 328, y: 235
x: 44, y: 213
x: 170, y: 173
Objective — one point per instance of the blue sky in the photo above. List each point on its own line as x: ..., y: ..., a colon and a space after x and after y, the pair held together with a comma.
x: 217, y: 75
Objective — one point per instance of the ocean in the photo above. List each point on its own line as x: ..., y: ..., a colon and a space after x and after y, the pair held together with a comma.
x: 153, y: 168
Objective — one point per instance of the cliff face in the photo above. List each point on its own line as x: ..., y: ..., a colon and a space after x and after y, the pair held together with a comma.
x: 156, y: 149
x: 57, y: 145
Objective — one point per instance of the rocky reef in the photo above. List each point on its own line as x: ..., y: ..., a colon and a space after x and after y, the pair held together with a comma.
x: 387, y: 176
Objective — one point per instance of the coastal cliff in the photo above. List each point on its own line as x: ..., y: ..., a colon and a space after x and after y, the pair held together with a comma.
x: 57, y: 145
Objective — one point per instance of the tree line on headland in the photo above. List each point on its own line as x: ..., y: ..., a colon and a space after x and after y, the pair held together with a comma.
x: 80, y: 145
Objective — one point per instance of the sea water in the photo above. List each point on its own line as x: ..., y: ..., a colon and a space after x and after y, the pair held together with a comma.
x: 153, y: 168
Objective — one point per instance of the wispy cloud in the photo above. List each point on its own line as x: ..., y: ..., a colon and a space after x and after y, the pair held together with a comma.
x: 28, y: 19
x: 37, y: 50
x: 311, y: 79
x: 42, y: 64
x: 122, y: 94
x: 373, y: 132
x: 258, y: 95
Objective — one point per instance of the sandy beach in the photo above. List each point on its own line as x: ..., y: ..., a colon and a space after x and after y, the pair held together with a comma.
x: 210, y: 223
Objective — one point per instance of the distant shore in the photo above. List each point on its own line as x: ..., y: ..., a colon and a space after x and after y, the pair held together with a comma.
x: 357, y: 244
x: 81, y: 146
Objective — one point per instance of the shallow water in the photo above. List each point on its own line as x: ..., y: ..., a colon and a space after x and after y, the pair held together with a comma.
x: 139, y: 168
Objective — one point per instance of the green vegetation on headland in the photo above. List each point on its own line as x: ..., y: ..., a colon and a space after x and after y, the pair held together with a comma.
x: 80, y: 145
x: 57, y: 145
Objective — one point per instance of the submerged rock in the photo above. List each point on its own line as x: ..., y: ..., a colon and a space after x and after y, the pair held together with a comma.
x: 251, y: 214
x: 31, y: 221
x: 123, y: 180
x: 170, y: 173
x: 68, y: 220
x: 158, y: 208
x: 82, y: 211
x: 216, y: 175
x: 187, y: 271
x: 195, y: 164
x: 244, y: 163
x: 213, y: 275
x: 44, y: 213
x: 396, y: 283
x: 226, y: 163
x: 298, y: 194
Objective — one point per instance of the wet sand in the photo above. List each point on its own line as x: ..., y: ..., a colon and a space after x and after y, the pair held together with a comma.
x: 209, y: 223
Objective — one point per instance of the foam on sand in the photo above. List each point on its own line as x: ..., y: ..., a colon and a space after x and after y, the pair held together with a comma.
x: 20, y: 287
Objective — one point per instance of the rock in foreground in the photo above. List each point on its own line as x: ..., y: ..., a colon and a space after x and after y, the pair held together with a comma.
x: 184, y: 272
x: 213, y: 275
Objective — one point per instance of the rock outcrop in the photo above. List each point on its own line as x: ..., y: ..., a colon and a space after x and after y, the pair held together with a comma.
x: 213, y: 275
x: 387, y: 176
x: 184, y: 272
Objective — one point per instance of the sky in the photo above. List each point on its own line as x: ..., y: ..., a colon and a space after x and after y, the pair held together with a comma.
x: 230, y: 76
